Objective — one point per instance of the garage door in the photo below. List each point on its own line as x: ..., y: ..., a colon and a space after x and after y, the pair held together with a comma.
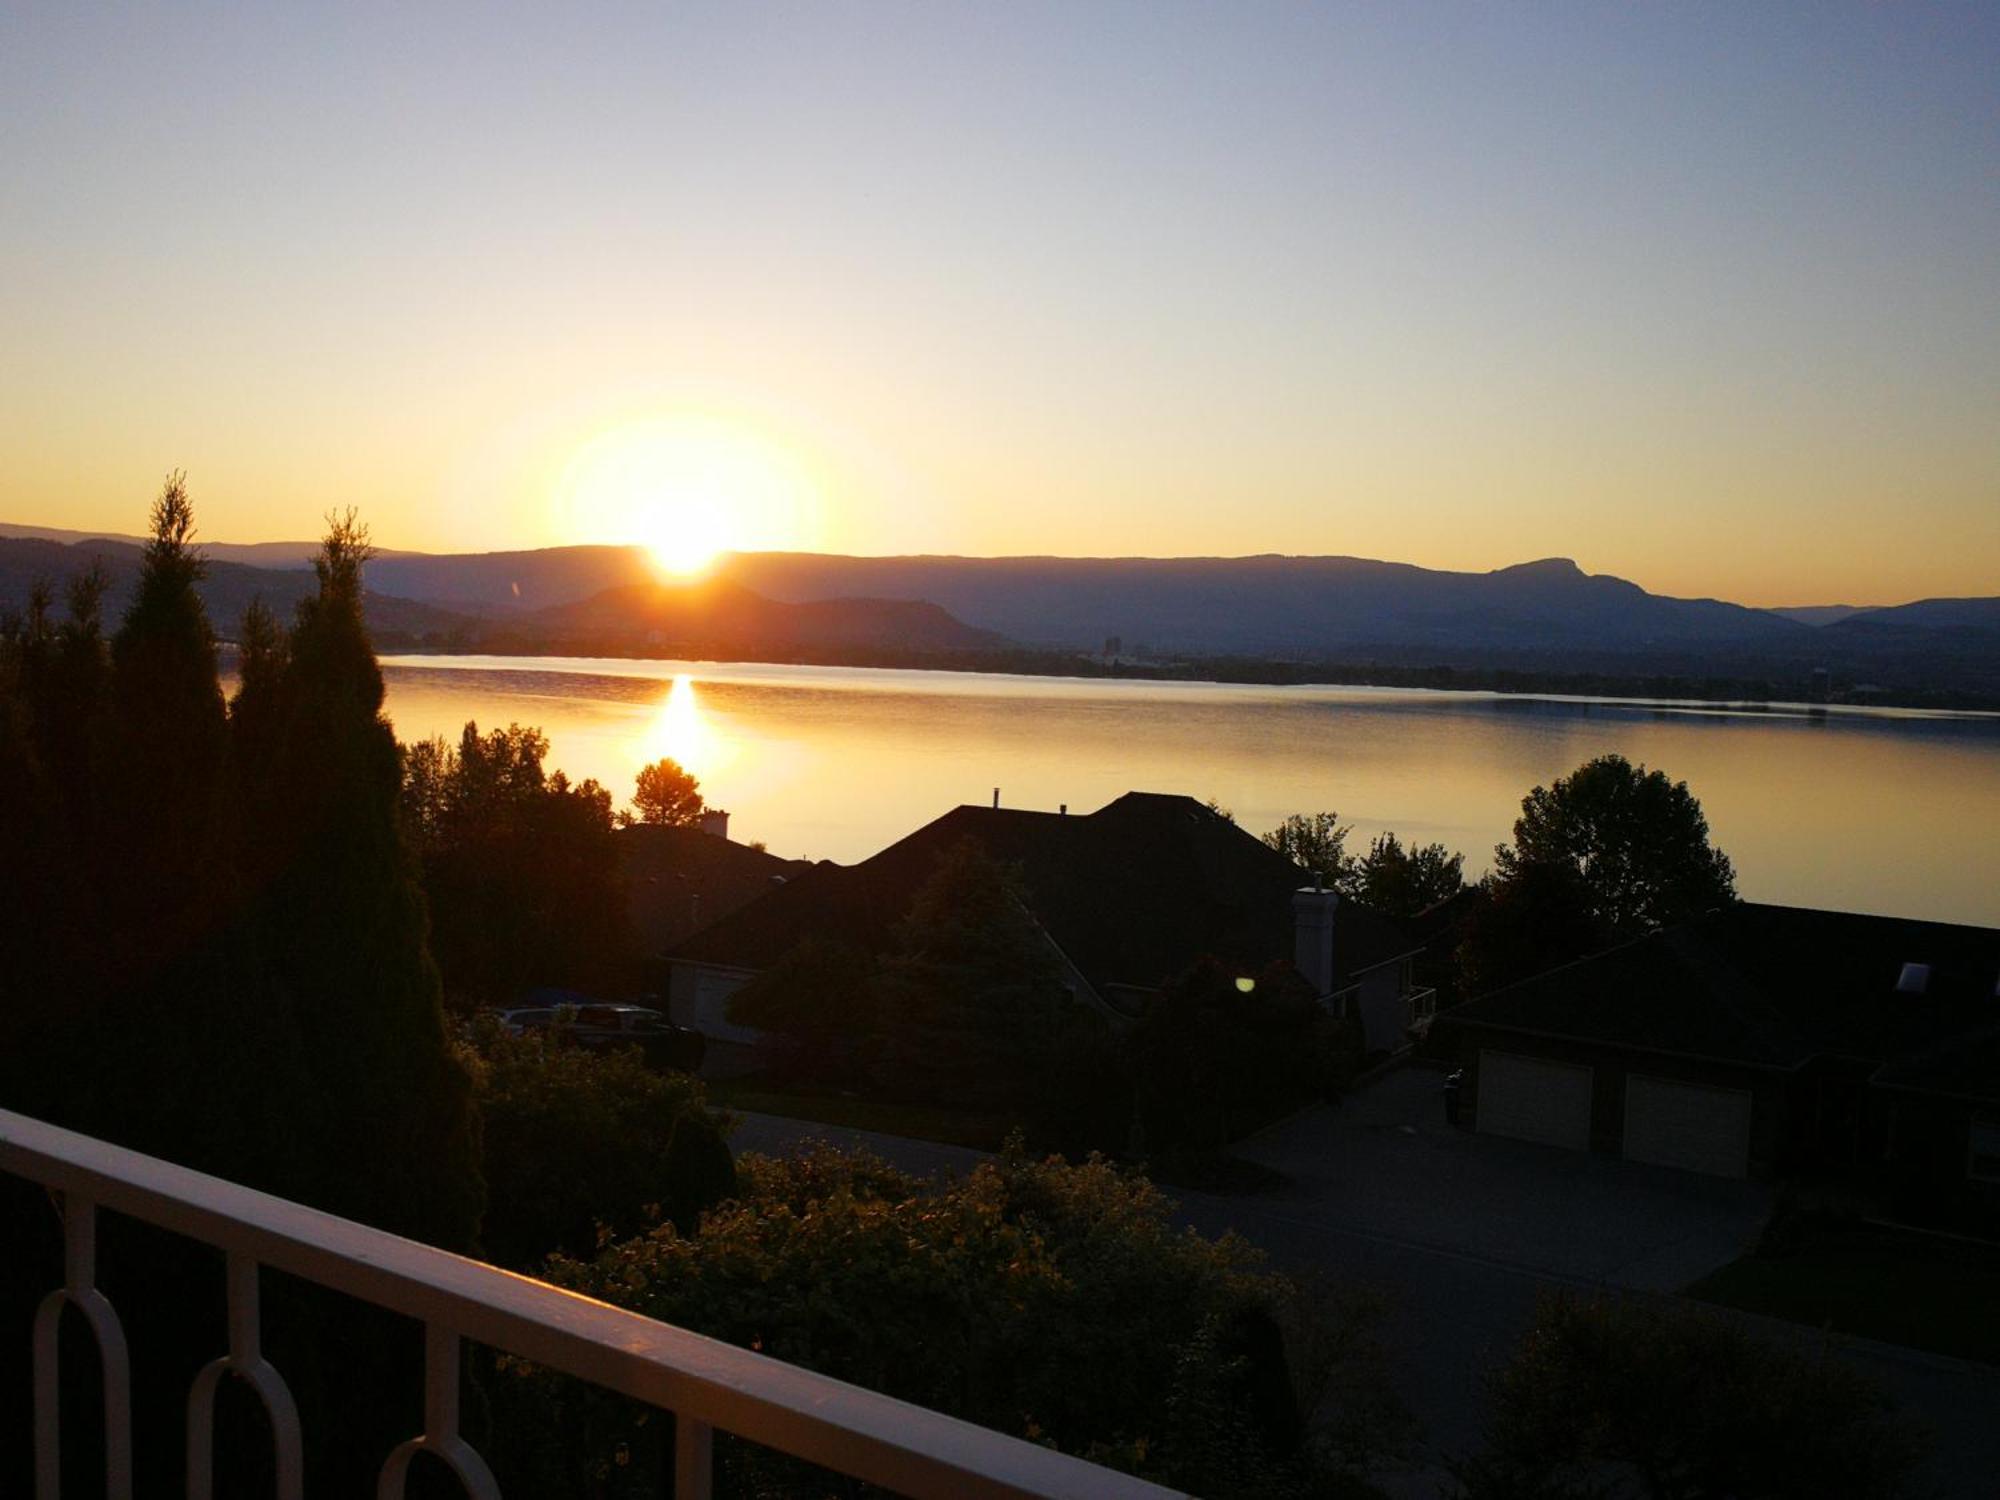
x: 1687, y: 1125
x: 1534, y: 1100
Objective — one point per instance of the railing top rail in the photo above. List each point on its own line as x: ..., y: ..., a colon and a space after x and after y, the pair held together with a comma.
x: 906, y: 1448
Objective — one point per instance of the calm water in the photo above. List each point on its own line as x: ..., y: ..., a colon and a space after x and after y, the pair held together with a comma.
x: 1867, y: 811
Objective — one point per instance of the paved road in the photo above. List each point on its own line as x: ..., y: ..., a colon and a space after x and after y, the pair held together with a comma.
x: 1461, y: 1234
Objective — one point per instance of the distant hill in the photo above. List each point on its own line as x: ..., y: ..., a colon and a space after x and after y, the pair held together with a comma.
x: 709, y: 618
x: 256, y: 554
x: 512, y: 582
x: 1821, y: 614
x: 1306, y: 606
x: 1258, y: 618
x: 227, y: 590
x: 685, y: 619
x: 1937, y: 614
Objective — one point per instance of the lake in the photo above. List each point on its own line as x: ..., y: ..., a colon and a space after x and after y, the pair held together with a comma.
x: 1862, y: 810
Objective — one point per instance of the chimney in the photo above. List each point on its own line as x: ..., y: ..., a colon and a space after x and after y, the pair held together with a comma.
x: 1312, y: 935
x: 715, y: 823
x: 996, y: 798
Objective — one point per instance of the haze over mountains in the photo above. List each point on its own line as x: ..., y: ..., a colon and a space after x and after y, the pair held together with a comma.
x: 1547, y: 616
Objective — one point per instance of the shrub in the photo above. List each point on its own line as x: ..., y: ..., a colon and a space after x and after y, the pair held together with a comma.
x: 1053, y: 1301
x: 578, y: 1139
x: 1632, y: 1400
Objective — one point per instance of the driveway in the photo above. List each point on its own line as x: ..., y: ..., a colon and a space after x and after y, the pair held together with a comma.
x: 1385, y: 1163
x: 1461, y: 1233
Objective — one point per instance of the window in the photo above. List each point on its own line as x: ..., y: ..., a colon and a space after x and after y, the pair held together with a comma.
x: 1983, y: 1163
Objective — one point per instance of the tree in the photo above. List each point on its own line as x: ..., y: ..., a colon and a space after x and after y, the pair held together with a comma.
x: 520, y: 867
x: 972, y: 998
x: 667, y: 795
x: 1402, y: 882
x: 575, y: 1139
x: 1631, y: 1400
x: 1638, y: 840
x: 346, y: 929
x: 1317, y: 844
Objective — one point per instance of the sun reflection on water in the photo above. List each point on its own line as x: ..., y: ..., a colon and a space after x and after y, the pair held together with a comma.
x: 682, y: 730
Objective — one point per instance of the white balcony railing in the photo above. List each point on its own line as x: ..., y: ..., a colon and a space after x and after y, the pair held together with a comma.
x: 708, y: 1386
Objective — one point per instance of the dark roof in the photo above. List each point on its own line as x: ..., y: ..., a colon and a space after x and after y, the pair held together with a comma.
x: 667, y: 869
x: 1133, y: 893
x: 1766, y: 985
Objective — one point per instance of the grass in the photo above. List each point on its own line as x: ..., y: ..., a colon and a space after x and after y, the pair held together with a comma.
x: 1876, y: 1284
x: 923, y: 1122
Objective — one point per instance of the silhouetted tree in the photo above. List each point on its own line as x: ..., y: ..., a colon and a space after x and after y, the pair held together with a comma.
x: 1316, y: 843
x: 346, y: 928
x: 972, y: 997
x: 521, y: 868
x: 1403, y: 881
x: 667, y: 795
x: 1629, y: 1400
x: 1638, y: 840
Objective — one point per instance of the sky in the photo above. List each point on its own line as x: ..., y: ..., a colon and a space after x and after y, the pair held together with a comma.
x: 1705, y: 295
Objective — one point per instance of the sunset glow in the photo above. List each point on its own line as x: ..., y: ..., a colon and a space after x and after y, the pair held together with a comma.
x: 684, y: 487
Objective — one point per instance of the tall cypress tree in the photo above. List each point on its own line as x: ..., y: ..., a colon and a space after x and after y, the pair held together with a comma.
x: 182, y: 1030
x: 346, y: 927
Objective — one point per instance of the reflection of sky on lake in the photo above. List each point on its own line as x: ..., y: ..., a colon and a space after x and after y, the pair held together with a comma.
x: 1870, y: 811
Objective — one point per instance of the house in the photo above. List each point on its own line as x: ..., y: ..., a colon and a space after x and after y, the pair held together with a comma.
x: 679, y: 880
x: 1129, y: 897
x: 1757, y: 1041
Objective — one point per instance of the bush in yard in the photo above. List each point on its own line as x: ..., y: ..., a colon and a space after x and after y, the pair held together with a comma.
x: 1053, y: 1301
x: 1638, y: 1400
x: 576, y: 1139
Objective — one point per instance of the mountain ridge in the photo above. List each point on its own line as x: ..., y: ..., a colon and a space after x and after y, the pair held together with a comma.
x: 1545, y: 616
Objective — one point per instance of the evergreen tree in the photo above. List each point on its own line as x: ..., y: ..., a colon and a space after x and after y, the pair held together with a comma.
x: 972, y: 999
x: 346, y: 926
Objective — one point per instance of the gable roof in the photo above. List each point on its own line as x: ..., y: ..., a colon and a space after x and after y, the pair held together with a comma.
x: 1767, y: 986
x: 680, y: 879
x: 1133, y: 893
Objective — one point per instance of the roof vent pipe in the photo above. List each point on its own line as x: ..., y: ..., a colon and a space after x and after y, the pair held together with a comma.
x: 996, y: 799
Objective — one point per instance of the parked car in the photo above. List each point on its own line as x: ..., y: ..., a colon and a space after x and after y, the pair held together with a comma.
x: 519, y: 1019
x: 603, y: 1026
x: 665, y: 1045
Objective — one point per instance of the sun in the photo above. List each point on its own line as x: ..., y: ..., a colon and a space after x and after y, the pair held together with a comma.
x: 687, y: 488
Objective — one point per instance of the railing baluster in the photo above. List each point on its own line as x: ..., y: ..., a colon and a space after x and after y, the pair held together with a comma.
x: 245, y: 1360
x: 79, y: 1290
x: 440, y: 1436
x: 707, y: 1385
x: 694, y: 1459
